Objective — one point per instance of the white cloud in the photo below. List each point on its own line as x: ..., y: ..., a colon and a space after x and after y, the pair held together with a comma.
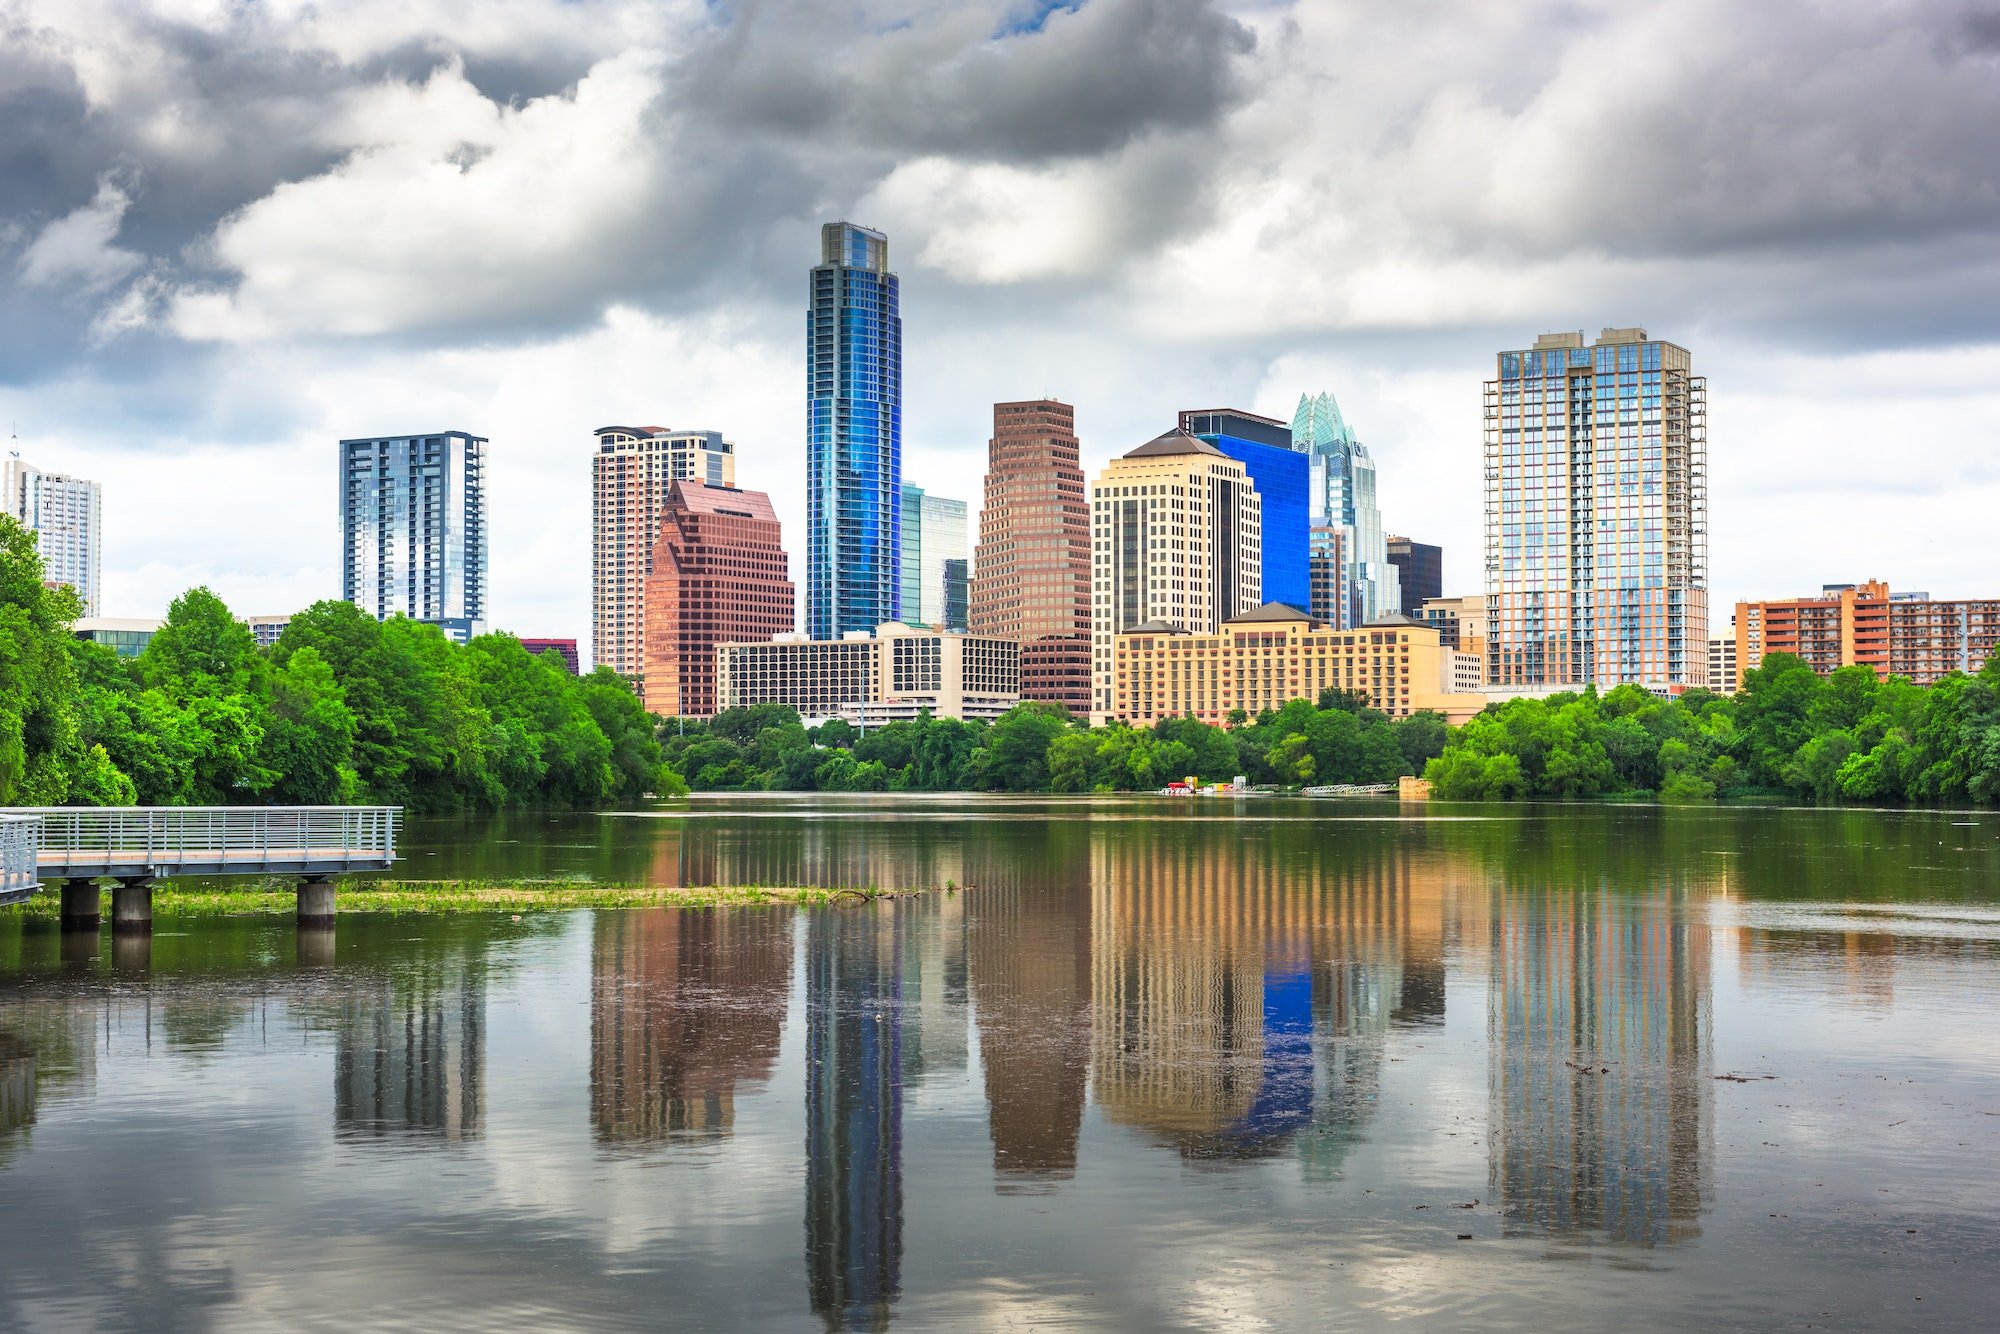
x: 451, y: 209
x: 77, y: 250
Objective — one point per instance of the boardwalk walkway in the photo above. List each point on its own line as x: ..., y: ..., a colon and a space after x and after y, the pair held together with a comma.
x: 136, y: 845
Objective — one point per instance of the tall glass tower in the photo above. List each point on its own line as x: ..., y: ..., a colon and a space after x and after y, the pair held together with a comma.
x: 854, y: 435
x: 413, y: 529
x: 1597, y: 514
x: 1343, y: 497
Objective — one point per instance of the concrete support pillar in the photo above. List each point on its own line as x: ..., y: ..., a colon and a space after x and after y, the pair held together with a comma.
x: 315, y: 946
x: 82, y: 905
x: 132, y: 906
x: 316, y: 902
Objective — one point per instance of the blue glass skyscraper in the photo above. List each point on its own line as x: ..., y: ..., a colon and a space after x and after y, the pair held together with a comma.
x: 854, y: 435
x: 1282, y: 478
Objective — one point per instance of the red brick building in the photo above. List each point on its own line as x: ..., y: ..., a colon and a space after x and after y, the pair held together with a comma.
x: 1897, y: 634
x: 1031, y: 570
x: 718, y: 575
x: 566, y: 647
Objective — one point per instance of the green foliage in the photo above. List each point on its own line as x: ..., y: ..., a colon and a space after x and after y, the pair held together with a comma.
x: 1847, y: 737
x: 40, y: 743
x: 346, y: 708
x: 343, y: 708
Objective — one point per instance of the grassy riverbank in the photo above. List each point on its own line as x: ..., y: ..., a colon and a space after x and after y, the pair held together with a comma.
x: 400, y: 897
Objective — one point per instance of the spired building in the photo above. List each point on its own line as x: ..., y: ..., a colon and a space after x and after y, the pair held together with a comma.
x: 854, y: 435
x: 1597, y: 514
x: 629, y: 475
x: 933, y: 540
x: 66, y: 514
x: 413, y: 529
x: 1031, y: 578
x: 1343, y: 496
x: 1178, y: 540
x: 718, y: 575
x: 1282, y: 477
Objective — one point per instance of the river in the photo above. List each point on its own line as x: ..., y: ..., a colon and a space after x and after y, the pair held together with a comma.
x: 1151, y: 1064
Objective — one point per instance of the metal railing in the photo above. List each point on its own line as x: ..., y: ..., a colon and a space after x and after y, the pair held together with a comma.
x: 20, y: 840
x: 223, y: 836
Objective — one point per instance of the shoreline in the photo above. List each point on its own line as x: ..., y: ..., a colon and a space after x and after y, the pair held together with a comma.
x: 435, y: 897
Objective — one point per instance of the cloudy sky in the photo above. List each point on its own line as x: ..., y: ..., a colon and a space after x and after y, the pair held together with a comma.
x: 232, y: 232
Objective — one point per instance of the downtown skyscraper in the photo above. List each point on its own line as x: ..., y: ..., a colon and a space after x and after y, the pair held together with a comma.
x: 854, y: 435
x: 934, y: 560
x: 1031, y: 575
x: 1343, y: 497
x: 1597, y: 514
x: 632, y: 472
x: 1177, y: 541
x: 413, y: 528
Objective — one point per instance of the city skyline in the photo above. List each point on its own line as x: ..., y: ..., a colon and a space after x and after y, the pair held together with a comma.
x: 167, y: 326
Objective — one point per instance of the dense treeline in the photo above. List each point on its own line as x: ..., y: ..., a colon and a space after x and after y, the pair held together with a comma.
x: 343, y: 708
x: 1846, y: 737
x: 346, y: 708
x: 1040, y: 748
x: 1850, y: 736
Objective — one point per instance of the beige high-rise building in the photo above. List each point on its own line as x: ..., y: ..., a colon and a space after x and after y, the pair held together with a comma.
x: 630, y: 472
x: 1176, y: 538
x: 1597, y: 514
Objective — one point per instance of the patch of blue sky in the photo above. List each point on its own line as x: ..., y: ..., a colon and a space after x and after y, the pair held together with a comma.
x: 1033, y: 15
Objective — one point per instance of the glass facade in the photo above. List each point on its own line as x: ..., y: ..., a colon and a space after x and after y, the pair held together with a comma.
x: 413, y: 529
x: 1343, y: 496
x: 934, y: 534
x: 1282, y: 478
x: 854, y: 435
x: 1597, y: 513
x: 957, y: 587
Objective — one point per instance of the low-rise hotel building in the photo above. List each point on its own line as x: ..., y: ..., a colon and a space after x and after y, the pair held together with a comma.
x: 1266, y: 658
x: 895, y: 673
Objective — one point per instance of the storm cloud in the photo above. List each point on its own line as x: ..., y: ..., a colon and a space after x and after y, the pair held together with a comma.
x: 239, y: 231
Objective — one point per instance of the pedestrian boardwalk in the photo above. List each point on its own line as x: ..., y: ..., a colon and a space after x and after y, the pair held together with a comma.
x: 148, y: 842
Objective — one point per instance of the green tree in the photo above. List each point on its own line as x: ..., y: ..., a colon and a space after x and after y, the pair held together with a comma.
x: 309, y: 737
x: 1014, y: 757
x: 40, y: 741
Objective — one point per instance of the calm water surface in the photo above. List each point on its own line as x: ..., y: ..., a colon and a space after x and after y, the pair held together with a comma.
x: 1197, y: 1065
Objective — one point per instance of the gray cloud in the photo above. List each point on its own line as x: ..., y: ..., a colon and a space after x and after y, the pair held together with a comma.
x: 317, y: 221
x: 1086, y: 82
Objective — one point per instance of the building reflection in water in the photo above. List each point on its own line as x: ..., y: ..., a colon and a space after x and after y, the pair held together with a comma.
x: 17, y: 1092
x: 936, y: 1021
x: 1242, y: 990
x: 1598, y: 1053
x: 410, y: 1056
x: 685, y: 1006
x: 854, y: 1112
x: 1030, y: 964
x: 48, y: 1051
